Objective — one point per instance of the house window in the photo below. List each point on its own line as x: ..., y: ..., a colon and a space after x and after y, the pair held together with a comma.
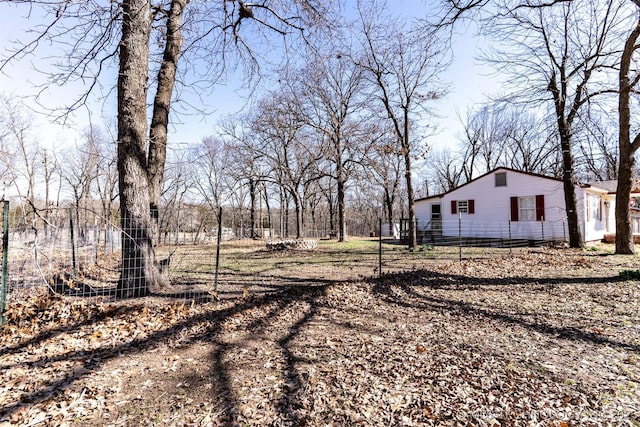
x: 527, y: 208
x: 501, y: 179
x: 463, y: 206
x: 593, y: 207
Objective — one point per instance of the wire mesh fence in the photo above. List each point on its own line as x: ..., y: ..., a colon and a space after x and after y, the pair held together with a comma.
x: 500, y: 234
x: 55, y: 253
x: 49, y: 251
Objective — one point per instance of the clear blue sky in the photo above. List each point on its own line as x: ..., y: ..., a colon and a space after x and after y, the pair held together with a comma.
x: 469, y: 84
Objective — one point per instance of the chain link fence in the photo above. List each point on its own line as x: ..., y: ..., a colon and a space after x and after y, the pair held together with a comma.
x: 69, y: 252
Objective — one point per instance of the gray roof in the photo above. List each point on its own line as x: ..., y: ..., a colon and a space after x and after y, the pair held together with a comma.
x: 611, y: 186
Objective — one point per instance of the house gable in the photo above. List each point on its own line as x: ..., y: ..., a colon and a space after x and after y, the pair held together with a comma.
x: 490, y: 195
x: 492, y: 173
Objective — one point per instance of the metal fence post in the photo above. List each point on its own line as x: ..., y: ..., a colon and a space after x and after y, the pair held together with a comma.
x: 510, y: 240
x: 215, y: 277
x: 106, y: 239
x: 73, y: 243
x: 460, y: 236
x: 380, y: 248
x: 5, y: 259
x: 542, y: 226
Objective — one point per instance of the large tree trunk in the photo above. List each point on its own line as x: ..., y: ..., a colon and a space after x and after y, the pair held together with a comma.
x: 564, y: 122
x: 138, y: 274
x: 406, y: 151
x: 253, y: 208
x: 297, y: 200
x: 284, y: 214
x: 161, y: 107
x: 413, y: 240
x: 624, y: 231
x: 342, y: 221
x: 268, y: 208
x: 332, y: 211
x: 141, y: 168
x: 141, y: 165
x: 576, y: 239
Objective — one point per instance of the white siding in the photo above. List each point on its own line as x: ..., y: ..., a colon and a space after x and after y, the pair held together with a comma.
x: 492, y: 206
x: 423, y: 209
x: 593, y: 213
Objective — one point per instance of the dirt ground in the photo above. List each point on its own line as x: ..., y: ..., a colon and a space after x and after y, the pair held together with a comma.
x: 539, y: 337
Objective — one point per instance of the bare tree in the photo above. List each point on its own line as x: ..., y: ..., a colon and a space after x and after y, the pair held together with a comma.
x: 106, y: 182
x: 553, y: 56
x: 210, y: 163
x: 532, y: 145
x: 599, y: 147
x: 498, y: 134
x: 485, y: 130
x: 20, y: 150
x: 384, y: 167
x: 447, y: 171
x: 80, y: 173
x: 628, y: 79
x: 177, y: 215
x: 332, y: 88
x: 50, y: 170
x: 403, y: 68
x: 152, y: 39
x: 246, y: 168
x: 285, y: 144
x: 247, y: 171
x: 326, y: 189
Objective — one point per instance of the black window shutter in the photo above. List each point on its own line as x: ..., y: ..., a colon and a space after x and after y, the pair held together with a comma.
x: 540, y: 207
x: 514, y: 209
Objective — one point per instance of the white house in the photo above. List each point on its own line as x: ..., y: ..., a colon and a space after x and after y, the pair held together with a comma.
x: 609, y: 207
x: 509, y: 204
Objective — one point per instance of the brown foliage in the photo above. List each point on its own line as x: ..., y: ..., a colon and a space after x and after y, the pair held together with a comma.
x: 543, y: 337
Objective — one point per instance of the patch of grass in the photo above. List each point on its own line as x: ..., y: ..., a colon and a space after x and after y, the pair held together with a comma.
x: 351, y: 245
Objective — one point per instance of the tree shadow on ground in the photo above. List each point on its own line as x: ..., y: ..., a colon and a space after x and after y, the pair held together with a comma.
x: 416, y: 290
x: 208, y: 324
x: 413, y: 290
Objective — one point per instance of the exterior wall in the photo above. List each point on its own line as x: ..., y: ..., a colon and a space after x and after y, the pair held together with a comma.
x: 609, y: 215
x: 423, y: 209
x: 492, y: 208
x: 492, y: 214
x: 593, y: 214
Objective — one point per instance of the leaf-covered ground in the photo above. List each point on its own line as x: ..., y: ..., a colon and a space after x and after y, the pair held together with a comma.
x: 541, y: 337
